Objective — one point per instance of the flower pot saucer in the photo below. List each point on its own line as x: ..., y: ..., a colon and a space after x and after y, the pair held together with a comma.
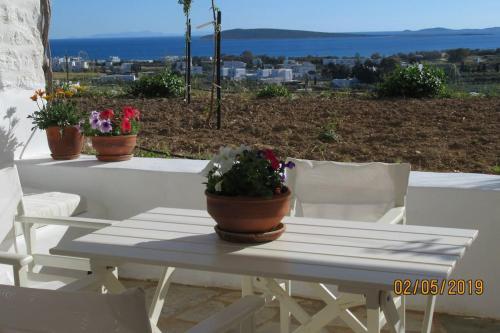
x: 251, y: 238
x: 114, y: 158
x: 65, y: 157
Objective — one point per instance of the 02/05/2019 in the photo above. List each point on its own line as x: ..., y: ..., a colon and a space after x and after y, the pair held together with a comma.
x: 438, y: 287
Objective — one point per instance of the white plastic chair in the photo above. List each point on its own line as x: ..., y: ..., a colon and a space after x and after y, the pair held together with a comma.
x: 33, y: 310
x: 367, y: 192
x: 21, y: 252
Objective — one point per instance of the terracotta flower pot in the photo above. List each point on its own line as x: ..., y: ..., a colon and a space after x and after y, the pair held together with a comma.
x: 65, y: 143
x: 114, y: 148
x: 246, y: 214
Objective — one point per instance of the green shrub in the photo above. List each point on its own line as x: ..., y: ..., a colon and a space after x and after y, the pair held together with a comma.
x: 415, y: 81
x: 164, y: 84
x: 329, y: 133
x: 273, y: 90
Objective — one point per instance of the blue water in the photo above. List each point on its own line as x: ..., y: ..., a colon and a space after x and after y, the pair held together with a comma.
x: 157, y: 48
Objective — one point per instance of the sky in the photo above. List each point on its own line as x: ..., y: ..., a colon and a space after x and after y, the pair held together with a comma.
x: 86, y: 18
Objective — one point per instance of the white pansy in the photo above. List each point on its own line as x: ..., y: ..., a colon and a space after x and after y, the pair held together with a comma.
x: 225, y: 159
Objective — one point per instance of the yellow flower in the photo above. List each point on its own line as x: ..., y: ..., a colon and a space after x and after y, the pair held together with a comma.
x: 48, y: 97
x: 68, y: 94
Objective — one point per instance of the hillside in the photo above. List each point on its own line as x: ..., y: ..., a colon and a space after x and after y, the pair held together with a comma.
x: 279, y: 34
x: 301, y: 34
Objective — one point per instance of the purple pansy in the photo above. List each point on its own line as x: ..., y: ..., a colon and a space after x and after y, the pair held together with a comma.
x: 290, y: 165
x: 95, y: 123
x: 94, y: 120
x: 106, y: 126
x: 94, y: 114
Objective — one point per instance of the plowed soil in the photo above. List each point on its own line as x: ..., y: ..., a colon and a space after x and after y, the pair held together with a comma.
x: 435, y: 135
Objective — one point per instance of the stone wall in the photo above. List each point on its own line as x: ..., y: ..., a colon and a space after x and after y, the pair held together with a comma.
x: 21, y: 54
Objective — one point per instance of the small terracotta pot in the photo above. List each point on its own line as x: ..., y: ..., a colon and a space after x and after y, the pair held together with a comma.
x: 64, y: 143
x: 246, y: 214
x: 114, y: 148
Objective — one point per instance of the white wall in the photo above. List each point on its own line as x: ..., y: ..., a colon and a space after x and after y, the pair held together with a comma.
x: 121, y: 190
x: 21, y: 54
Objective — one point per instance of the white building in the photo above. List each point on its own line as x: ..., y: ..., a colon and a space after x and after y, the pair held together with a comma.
x: 74, y: 64
x: 180, y: 66
x: 264, y: 73
x: 234, y: 64
x: 126, y: 68
x: 349, y: 62
x: 234, y: 73
x: 278, y: 75
x: 114, y: 59
x: 300, y: 70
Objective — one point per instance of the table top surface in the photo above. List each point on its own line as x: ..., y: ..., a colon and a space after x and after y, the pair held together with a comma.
x: 313, y: 250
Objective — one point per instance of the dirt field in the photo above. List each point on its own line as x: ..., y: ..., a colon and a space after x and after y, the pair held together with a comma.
x: 436, y: 135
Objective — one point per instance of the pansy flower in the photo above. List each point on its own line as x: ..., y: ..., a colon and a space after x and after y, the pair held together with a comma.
x: 105, y: 126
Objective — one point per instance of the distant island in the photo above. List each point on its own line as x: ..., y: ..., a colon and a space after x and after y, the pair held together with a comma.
x: 280, y: 34
x: 130, y: 34
x: 302, y: 34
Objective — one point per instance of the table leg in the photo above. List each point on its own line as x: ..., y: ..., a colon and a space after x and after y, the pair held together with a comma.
x: 247, y: 289
x: 429, y: 313
x: 160, y: 294
x: 285, y: 314
x: 107, y: 278
x: 402, y: 314
x: 373, y: 312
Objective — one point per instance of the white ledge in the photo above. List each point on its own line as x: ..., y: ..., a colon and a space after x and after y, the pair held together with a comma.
x: 469, y: 181
x: 136, y: 163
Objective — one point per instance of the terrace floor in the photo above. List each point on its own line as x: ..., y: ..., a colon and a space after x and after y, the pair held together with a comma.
x: 188, y: 305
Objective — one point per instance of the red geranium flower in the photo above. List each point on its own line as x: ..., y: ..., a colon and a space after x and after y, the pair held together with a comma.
x: 128, y: 112
x: 107, y: 114
x: 269, y: 155
x: 126, y: 126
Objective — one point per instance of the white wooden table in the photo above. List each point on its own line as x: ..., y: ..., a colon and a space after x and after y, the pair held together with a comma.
x: 361, y: 258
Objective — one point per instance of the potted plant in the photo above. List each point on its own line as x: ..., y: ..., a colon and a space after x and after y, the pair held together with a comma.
x: 114, y: 136
x: 246, y: 194
x: 60, y: 118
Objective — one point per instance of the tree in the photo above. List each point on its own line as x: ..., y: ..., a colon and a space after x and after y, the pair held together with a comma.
x: 334, y: 71
x: 247, y: 57
x: 46, y: 14
x: 376, y: 56
x: 458, y: 55
x: 366, y: 73
x: 388, y: 65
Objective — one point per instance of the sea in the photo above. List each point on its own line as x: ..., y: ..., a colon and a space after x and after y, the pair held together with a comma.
x: 152, y: 48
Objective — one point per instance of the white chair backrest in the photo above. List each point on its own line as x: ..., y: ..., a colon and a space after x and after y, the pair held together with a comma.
x: 10, y: 202
x: 347, y: 191
x: 25, y: 310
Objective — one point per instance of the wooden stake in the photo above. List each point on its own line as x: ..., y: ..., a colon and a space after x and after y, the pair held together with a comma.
x: 219, y: 90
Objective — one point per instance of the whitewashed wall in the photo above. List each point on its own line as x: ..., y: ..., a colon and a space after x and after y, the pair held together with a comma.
x: 121, y: 190
x: 21, y: 54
